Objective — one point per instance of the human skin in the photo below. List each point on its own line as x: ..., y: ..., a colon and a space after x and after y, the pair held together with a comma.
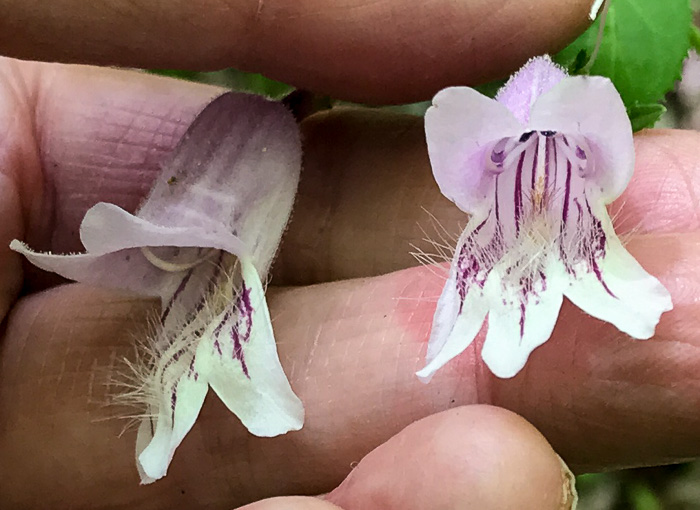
x: 350, y: 313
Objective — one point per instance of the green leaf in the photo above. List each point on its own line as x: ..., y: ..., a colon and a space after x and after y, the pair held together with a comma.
x: 176, y: 73
x: 645, y: 115
x: 232, y: 79
x: 643, y: 498
x: 695, y: 38
x: 259, y: 84
x: 491, y: 88
x: 643, y: 48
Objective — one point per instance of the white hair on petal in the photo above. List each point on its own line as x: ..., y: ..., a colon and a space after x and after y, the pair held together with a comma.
x: 166, y: 354
x: 441, y: 245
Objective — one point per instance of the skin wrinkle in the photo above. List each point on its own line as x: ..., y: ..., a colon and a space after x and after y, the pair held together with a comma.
x: 415, y: 315
x: 657, y: 151
x: 12, y: 226
x: 691, y: 192
x: 17, y: 99
x: 16, y: 158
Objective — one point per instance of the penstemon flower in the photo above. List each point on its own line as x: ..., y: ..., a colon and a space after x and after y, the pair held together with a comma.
x: 534, y: 168
x: 201, y: 242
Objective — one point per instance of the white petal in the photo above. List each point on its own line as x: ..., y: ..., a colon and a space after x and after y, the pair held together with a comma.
x: 155, y: 451
x: 262, y: 399
x: 444, y: 318
x: 506, y: 350
x: 108, y: 228
x: 124, y: 269
x: 592, y: 107
x: 459, y: 125
x: 535, y: 78
x: 452, y: 332
x: 638, y: 299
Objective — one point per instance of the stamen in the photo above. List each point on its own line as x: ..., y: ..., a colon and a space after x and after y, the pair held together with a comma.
x: 494, y: 163
x: 518, y: 198
x: 547, y: 145
x: 497, y: 157
x: 518, y: 148
x: 578, y: 156
x: 173, y: 267
x: 539, y: 174
x: 567, y: 193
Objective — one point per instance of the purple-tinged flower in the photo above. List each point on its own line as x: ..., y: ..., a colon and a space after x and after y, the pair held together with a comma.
x: 202, y: 242
x: 534, y: 169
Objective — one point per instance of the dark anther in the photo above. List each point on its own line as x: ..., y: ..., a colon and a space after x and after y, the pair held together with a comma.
x: 548, y: 133
x: 498, y: 157
x: 526, y: 136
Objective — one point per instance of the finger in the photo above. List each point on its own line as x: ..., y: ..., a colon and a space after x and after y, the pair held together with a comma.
x: 474, y: 457
x: 368, y: 51
x: 291, y: 503
x: 367, y: 196
x: 351, y: 350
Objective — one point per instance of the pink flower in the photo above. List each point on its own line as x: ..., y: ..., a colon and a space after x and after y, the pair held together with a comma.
x: 534, y: 169
x: 202, y: 242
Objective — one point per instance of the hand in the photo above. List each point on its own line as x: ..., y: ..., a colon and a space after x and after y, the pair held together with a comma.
x: 73, y: 136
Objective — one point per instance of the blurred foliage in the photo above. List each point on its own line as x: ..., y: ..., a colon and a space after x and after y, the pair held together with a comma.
x: 233, y: 79
x: 675, y: 487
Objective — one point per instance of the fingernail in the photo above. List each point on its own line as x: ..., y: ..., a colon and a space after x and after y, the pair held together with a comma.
x: 569, y: 496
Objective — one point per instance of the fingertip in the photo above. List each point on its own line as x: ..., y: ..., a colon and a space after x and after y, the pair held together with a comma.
x: 469, y: 457
x: 291, y: 503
